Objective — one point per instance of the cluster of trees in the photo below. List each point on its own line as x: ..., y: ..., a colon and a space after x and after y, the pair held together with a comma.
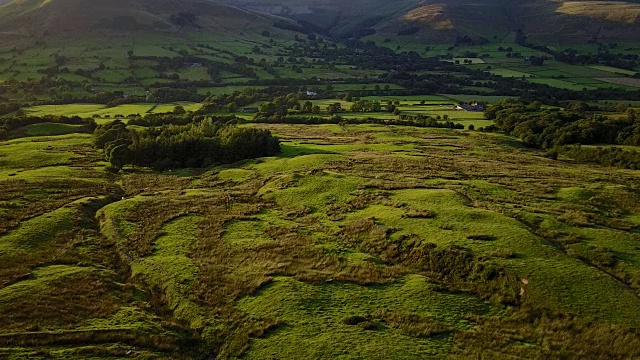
x: 549, y: 128
x: 605, y: 54
x: 9, y: 123
x: 366, y: 106
x: 172, y: 146
x: 172, y: 94
x: 608, y: 156
x: 279, y: 106
x: 416, y: 121
x: 8, y: 108
x: 375, y: 106
x: 250, y: 96
x: 157, y: 120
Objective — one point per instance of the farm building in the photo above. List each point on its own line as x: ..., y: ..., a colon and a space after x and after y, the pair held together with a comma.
x: 471, y: 107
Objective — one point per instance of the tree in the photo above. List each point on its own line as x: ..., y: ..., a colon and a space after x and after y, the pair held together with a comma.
x: 334, y: 108
x: 110, y: 132
x: 537, y: 60
x: 231, y: 107
x: 119, y: 156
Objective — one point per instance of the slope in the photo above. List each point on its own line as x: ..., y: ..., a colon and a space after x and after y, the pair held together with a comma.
x: 444, y: 20
x: 38, y: 18
x: 543, y: 20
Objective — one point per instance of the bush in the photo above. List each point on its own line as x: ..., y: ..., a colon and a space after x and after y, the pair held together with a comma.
x: 481, y: 237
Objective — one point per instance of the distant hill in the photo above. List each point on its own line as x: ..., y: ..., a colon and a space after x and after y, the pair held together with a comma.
x: 37, y: 18
x: 352, y: 18
x: 444, y: 20
x: 543, y: 20
x: 426, y: 20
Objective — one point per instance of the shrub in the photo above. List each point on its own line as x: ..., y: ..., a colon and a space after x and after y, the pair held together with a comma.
x: 481, y: 237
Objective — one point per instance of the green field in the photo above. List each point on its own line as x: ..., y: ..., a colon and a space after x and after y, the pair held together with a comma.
x: 102, y: 111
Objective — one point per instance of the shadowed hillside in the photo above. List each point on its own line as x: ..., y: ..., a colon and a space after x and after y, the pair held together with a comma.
x: 56, y: 17
x: 444, y: 20
x: 437, y: 20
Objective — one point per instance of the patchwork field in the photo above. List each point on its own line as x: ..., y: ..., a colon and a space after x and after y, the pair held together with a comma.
x: 105, y: 112
x: 357, y: 242
x: 562, y: 75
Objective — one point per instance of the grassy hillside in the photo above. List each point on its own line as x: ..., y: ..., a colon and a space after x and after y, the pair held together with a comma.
x: 543, y: 20
x: 44, y: 18
x: 437, y: 21
x: 340, y: 247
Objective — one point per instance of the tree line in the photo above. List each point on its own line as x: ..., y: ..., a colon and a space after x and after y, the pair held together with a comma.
x: 549, y: 128
x: 13, y: 122
x: 607, y: 156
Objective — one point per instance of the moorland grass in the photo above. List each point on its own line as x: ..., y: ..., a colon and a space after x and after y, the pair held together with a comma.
x: 357, y: 241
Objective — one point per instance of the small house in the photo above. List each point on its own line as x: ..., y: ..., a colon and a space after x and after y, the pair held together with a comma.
x: 471, y: 107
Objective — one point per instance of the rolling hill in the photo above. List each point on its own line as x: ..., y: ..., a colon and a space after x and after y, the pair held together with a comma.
x: 444, y: 20
x: 37, y: 18
x: 424, y: 20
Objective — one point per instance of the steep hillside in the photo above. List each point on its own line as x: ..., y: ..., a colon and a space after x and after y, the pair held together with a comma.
x: 544, y: 20
x: 337, y: 18
x: 36, y: 18
x: 444, y: 20
x: 427, y: 20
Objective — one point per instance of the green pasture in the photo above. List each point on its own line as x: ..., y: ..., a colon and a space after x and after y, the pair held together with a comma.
x: 102, y: 111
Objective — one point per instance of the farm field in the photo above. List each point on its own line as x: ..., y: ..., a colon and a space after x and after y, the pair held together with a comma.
x: 344, y: 200
x: 553, y: 73
x: 105, y: 112
x: 561, y: 75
